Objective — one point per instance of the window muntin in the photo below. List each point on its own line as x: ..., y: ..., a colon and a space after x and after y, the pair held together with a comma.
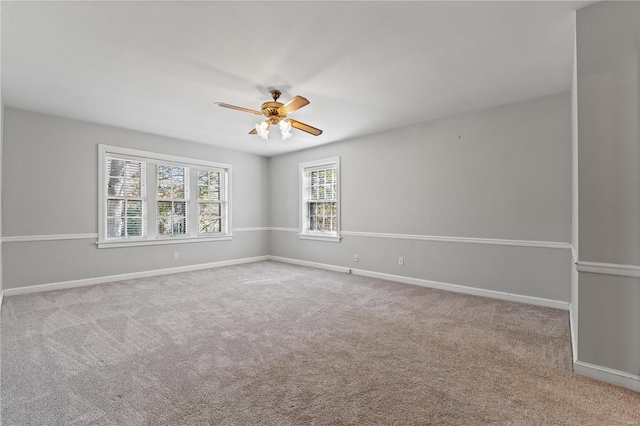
x: 320, y: 201
x: 179, y: 202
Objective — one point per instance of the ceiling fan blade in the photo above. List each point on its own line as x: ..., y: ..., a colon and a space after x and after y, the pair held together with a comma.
x: 293, y: 105
x: 305, y: 127
x: 253, y: 132
x: 223, y: 105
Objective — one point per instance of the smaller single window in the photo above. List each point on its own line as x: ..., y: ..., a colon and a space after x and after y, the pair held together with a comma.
x: 320, y: 201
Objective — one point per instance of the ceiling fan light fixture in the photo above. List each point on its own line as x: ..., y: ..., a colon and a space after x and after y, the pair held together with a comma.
x: 276, y: 113
x: 263, y: 130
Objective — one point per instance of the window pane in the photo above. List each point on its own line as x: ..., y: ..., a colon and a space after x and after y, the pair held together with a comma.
x: 115, y: 208
x: 115, y: 187
x: 177, y: 174
x: 203, y: 192
x: 179, y: 208
x: 133, y: 170
x: 179, y: 226
x: 178, y: 190
x: 164, y: 172
x: 203, y: 177
x: 164, y: 226
x: 134, y: 227
x: 133, y: 188
x: 204, y: 226
x: 164, y: 189
x: 134, y: 208
x: 115, y: 227
x: 164, y: 208
x: 115, y: 167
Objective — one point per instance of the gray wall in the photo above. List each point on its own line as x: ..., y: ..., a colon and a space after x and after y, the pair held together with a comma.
x: 50, y: 183
x: 499, y: 173
x: 608, y: 78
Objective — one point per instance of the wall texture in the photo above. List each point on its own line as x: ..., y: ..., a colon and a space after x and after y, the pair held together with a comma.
x: 502, y: 173
x: 608, y: 97
x: 50, y: 184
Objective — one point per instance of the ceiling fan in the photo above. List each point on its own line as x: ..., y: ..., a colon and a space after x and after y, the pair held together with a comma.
x: 276, y: 113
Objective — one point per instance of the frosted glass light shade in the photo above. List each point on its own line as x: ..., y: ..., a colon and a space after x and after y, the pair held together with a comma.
x: 263, y: 130
x: 285, y: 126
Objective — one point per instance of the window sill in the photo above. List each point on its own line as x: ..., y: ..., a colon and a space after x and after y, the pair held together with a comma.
x: 137, y: 243
x: 328, y: 238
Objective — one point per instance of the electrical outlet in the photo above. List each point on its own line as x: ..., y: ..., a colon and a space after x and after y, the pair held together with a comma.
x: 175, y: 256
x: 401, y: 261
x: 356, y: 258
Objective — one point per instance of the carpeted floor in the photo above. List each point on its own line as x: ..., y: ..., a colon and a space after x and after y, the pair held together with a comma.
x: 275, y: 344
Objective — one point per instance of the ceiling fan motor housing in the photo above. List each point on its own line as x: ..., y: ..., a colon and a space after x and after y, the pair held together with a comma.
x: 271, y: 110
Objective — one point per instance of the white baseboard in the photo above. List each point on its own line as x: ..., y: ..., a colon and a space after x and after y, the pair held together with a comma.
x: 530, y: 300
x: 609, y: 375
x: 310, y: 264
x: 122, y: 277
x: 557, y: 304
x: 574, y: 334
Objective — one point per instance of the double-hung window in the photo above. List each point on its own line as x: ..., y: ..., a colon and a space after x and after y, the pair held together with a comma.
x: 210, y: 201
x: 150, y: 198
x: 320, y: 200
x: 124, y: 197
x: 172, y: 199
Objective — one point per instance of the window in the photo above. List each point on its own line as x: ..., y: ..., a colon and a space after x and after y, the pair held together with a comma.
x: 320, y: 200
x: 125, y: 194
x: 189, y: 200
x: 172, y: 200
x: 210, y: 201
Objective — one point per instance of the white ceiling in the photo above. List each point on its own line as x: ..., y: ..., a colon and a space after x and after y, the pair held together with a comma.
x: 366, y: 67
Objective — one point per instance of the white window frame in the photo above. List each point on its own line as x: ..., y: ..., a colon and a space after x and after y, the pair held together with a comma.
x: 305, y: 233
x: 149, y: 233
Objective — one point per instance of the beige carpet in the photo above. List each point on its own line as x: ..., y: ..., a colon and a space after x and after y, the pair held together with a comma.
x: 275, y: 344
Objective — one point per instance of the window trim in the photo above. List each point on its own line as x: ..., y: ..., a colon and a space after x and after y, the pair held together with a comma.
x: 303, y: 233
x: 152, y: 159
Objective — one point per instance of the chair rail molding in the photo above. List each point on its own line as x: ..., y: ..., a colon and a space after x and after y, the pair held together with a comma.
x: 608, y: 269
